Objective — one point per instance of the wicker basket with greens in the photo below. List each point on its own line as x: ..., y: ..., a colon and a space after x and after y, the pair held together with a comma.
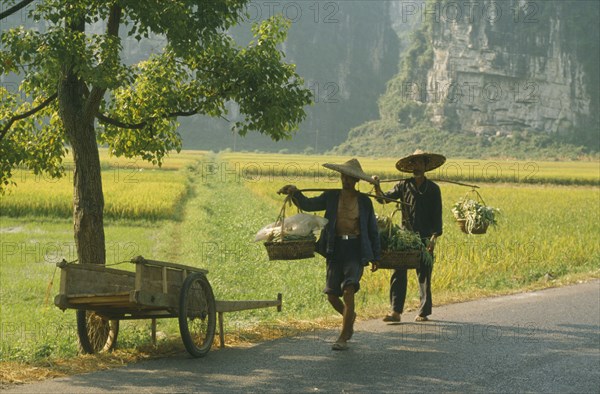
x: 473, y: 216
x: 400, y: 248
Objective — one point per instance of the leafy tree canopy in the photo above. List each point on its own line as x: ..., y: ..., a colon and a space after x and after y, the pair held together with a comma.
x: 135, y: 107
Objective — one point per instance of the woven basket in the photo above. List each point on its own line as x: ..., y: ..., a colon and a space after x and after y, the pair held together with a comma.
x: 392, y: 259
x: 462, y: 223
x: 482, y: 229
x: 291, y: 250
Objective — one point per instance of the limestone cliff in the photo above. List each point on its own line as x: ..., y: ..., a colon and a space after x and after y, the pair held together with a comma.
x: 512, y: 65
x: 495, y: 67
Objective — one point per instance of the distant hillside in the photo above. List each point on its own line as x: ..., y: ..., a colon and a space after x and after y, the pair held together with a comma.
x: 521, y: 81
x: 346, y: 51
x: 385, y: 139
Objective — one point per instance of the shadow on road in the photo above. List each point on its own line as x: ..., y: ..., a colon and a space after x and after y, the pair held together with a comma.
x: 547, y: 341
x: 438, y: 355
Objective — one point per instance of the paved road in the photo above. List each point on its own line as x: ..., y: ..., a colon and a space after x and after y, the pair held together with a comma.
x: 546, y: 341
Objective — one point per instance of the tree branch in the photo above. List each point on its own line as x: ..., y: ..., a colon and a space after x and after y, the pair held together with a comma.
x: 15, y: 8
x: 183, y: 113
x: 141, y: 125
x: 26, y: 114
x: 117, y: 123
x: 112, y: 29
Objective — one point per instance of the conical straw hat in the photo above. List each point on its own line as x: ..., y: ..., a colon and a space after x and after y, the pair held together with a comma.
x: 351, y: 168
x: 433, y: 161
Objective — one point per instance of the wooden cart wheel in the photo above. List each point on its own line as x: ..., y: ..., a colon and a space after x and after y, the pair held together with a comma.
x: 96, y: 334
x: 197, y: 314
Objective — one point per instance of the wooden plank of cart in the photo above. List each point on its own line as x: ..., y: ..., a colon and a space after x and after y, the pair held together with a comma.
x: 102, y: 296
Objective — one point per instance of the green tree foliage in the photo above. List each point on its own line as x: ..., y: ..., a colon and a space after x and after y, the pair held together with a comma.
x: 77, y: 92
x: 394, y: 105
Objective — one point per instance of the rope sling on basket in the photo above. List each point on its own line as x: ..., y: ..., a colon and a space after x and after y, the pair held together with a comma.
x: 286, y: 247
x: 473, y: 216
x: 407, y: 258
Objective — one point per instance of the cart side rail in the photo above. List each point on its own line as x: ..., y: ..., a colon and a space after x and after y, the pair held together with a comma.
x: 141, y: 260
x: 95, y: 279
x: 160, y: 282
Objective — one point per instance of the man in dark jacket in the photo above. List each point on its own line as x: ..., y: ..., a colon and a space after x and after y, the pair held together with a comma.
x: 421, y: 202
x: 349, y: 241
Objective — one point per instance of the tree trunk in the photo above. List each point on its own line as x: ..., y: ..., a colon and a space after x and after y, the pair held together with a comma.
x: 88, y: 199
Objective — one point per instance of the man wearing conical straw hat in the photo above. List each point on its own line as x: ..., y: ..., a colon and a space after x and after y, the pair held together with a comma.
x: 421, y: 202
x: 349, y: 241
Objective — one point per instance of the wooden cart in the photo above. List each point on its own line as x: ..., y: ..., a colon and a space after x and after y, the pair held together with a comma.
x: 102, y: 296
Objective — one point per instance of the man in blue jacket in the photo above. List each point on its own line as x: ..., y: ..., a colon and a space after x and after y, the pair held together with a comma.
x: 349, y: 241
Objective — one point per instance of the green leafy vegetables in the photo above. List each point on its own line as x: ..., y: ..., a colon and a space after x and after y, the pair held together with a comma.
x: 393, y: 237
x: 475, y: 214
x: 396, y: 239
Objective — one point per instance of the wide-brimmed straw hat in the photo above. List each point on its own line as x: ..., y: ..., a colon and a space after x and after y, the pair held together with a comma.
x: 351, y: 168
x: 432, y: 161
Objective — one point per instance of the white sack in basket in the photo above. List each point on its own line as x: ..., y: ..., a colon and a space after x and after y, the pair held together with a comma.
x: 301, y: 224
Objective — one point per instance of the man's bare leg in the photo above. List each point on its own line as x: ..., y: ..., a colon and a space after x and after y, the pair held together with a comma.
x: 336, y: 303
x: 348, y: 313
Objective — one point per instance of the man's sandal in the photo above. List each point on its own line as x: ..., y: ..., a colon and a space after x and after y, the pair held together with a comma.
x: 421, y: 318
x: 392, y: 317
x: 339, y: 346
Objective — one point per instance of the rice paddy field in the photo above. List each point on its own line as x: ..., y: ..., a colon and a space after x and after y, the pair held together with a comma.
x: 203, y: 209
x: 253, y: 166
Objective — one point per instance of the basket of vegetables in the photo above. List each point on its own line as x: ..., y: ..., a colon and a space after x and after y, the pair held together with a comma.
x: 400, y: 248
x: 473, y: 216
x: 291, y: 238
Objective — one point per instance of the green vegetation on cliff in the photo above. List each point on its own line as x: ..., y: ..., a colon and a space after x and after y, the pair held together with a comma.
x: 387, y: 139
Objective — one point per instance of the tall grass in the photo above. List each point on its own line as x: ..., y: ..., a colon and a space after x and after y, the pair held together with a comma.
x: 253, y: 166
x: 36, y: 232
x: 132, y: 190
x: 542, y: 230
x: 546, y: 233
x: 31, y: 327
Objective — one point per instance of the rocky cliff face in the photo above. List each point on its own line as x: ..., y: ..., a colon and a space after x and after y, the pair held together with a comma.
x: 505, y: 66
